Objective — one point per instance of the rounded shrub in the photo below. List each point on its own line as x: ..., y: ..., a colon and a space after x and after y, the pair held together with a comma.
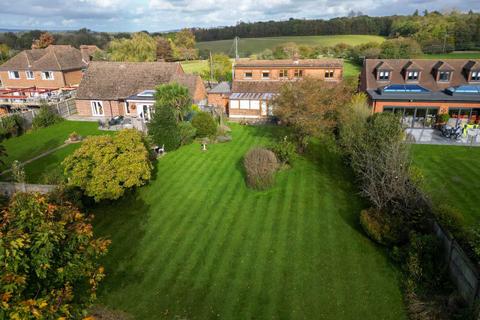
x: 260, y: 166
x: 205, y: 125
x: 285, y: 150
x: 164, y: 130
x: 379, y: 228
x: 45, y: 117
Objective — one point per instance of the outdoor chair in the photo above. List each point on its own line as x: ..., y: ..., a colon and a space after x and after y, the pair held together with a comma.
x: 472, y: 135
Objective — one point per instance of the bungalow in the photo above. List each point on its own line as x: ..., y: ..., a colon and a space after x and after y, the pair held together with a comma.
x: 419, y: 89
x: 55, y: 67
x: 110, y: 89
x: 256, y: 82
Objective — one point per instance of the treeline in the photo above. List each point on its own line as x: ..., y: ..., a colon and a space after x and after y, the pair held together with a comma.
x: 435, y: 31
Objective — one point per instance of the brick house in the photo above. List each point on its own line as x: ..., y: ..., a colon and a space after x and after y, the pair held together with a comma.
x: 256, y: 82
x: 55, y: 67
x: 218, y: 96
x: 419, y: 89
x: 109, y: 89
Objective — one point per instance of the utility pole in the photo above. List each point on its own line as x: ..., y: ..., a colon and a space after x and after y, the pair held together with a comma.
x: 211, y: 67
x: 236, y: 48
x: 445, y: 43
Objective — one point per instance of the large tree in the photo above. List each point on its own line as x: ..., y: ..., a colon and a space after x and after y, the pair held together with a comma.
x: 309, y: 107
x: 104, y: 167
x: 164, y: 49
x: 174, y: 96
x: 49, y: 265
x: 44, y: 41
x: 141, y: 47
x: 220, y: 68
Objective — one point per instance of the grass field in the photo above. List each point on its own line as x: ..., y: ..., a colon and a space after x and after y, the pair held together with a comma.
x: 38, y: 141
x: 452, y: 176
x: 249, y: 46
x: 198, y: 244
x: 453, y: 55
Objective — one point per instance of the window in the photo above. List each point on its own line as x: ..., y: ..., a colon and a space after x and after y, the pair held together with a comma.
x: 475, y: 76
x: 265, y: 74
x: 412, y: 75
x: 233, y: 104
x: 127, y: 108
x: 97, y: 108
x: 244, y: 104
x: 298, y: 73
x: 384, y: 75
x: 328, y: 74
x: 13, y: 75
x: 47, y: 75
x: 254, y: 105
x: 444, y: 76
x: 30, y: 75
x: 248, y: 75
x: 284, y: 74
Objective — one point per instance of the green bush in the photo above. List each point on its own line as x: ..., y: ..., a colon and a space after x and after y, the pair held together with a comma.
x: 205, y: 125
x: 380, y: 228
x: 260, y: 166
x: 444, y: 117
x: 284, y: 150
x: 187, y: 132
x: 451, y: 218
x: 45, y: 118
x: 11, y: 126
x: 163, y: 128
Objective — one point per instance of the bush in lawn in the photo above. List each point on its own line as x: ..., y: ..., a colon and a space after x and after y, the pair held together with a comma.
x: 49, y: 260
x: 18, y: 172
x: 205, y: 125
x: 45, y: 117
x: 104, y: 167
x: 163, y: 128
x: 260, y: 166
x: 11, y: 126
x: 74, y: 136
x: 187, y: 132
x: 284, y: 150
x: 378, y: 228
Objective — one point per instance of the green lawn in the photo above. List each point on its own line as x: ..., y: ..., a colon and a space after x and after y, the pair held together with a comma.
x: 452, y: 176
x: 38, y: 141
x: 196, y: 243
x: 248, y: 46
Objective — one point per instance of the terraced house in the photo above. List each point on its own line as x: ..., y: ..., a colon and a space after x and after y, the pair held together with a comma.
x: 256, y: 82
x: 418, y: 90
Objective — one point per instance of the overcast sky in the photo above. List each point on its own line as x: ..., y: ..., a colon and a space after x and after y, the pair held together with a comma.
x: 161, y: 15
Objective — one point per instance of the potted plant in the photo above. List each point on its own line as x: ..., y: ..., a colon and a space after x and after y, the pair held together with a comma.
x: 443, y: 118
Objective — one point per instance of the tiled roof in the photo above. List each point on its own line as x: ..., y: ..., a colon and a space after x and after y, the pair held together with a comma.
x: 427, y: 76
x: 304, y: 63
x: 120, y: 80
x: 257, y: 86
x: 223, y: 87
x: 52, y: 58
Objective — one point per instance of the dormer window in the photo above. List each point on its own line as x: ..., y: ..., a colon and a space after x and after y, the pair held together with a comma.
x: 444, y: 76
x: 413, y: 75
x: 475, y: 76
x: 384, y: 75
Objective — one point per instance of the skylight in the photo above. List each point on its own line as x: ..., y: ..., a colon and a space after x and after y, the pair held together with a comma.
x: 464, y: 90
x: 404, y: 88
x: 147, y: 93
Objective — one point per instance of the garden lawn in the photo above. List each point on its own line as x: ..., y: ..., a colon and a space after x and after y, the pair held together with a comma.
x: 35, y: 142
x: 196, y: 243
x: 452, y: 176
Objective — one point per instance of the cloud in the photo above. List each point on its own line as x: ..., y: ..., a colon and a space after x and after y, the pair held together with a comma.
x: 158, y: 15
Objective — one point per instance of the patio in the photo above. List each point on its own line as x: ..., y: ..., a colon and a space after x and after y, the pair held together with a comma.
x: 434, y: 137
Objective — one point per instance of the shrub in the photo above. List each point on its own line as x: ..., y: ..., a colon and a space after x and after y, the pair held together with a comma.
x: 74, y: 136
x: 284, y: 150
x: 11, y: 126
x: 18, y: 172
x: 45, y: 117
x: 205, y: 125
x: 260, y: 166
x: 451, y: 218
x: 53, y: 177
x: 187, y: 132
x: 163, y: 128
x: 380, y: 228
x: 443, y: 118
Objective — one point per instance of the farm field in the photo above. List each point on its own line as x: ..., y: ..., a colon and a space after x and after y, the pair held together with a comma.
x: 196, y: 243
x: 249, y: 46
x: 452, y: 176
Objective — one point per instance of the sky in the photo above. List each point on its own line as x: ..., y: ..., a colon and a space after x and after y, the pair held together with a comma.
x: 164, y: 15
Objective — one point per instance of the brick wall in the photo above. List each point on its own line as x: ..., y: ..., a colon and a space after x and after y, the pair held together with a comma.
x: 73, y: 78
x: 318, y: 73
x: 111, y: 108
x: 200, y: 92
x: 443, y: 106
x: 57, y: 82
x: 218, y: 100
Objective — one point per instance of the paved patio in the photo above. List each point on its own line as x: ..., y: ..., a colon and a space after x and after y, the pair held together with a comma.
x: 434, y: 136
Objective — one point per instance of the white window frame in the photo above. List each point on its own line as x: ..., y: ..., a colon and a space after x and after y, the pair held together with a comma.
x: 44, y: 75
x: 248, y: 77
x: 283, y: 74
x: 254, y: 104
x: 234, y: 104
x: 94, y: 106
x: 11, y: 75
x: 245, y: 104
x: 298, y: 73
x: 267, y: 72
x: 415, y: 75
x: 329, y: 74
x: 475, y: 76
x: 30, y: 75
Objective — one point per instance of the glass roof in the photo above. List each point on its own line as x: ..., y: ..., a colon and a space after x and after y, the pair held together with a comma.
x: 465, y: 89
x: 404, y: 88
x: 147, y: 93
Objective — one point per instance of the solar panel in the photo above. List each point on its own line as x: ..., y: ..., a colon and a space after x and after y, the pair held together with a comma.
x: 405, y: 88
x: 465, y: 89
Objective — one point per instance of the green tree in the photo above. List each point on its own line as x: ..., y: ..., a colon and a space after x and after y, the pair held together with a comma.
x: 4, y: 52
x: 205, y: 125
x: 45, y: 117
x: 164, y: 49
x: 174, y: 96
x: 164, y: 129
x: 48, y: 260
x: 183, y: 45
x: 104, y: 167
x: 141, y: 47
x: 220, y: 68
x: 400, y: 48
